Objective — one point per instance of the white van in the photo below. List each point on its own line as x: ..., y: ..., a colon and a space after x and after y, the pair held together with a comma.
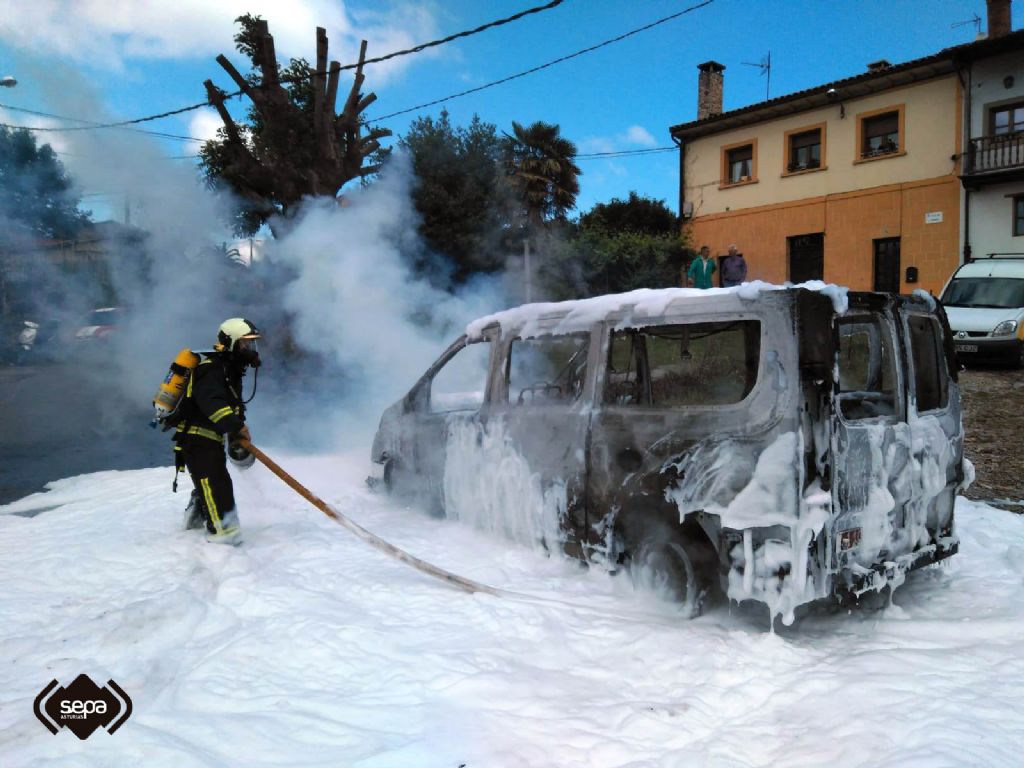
x: 984, y: 302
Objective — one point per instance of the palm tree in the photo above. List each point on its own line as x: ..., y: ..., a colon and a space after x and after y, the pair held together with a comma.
x: 539, y: 163
x: 544, y: 179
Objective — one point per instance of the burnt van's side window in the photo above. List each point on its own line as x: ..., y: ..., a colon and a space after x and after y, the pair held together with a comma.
x: 460, y: 384
x: 867, y: 376
x: 929, y: 364
x: 669, y: 366
x: 547, y: 369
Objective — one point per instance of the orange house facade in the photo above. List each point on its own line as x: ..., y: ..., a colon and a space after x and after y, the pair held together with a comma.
x: 855, y: 182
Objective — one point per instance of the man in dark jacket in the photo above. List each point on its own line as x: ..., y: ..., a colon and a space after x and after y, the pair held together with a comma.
x: 212, y: 410
x: 734, y: 268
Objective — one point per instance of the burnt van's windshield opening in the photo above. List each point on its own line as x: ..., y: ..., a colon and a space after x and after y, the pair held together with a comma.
x: 990, y: 292
x: 693, y: 364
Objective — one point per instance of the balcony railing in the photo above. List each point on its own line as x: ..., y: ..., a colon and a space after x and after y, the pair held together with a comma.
x: 995, y: 153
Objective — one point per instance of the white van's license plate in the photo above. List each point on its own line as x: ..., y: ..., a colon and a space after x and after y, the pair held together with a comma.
x: 966, y: 347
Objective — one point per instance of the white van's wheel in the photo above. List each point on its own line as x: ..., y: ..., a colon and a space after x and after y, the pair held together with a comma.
x: 667, y: 568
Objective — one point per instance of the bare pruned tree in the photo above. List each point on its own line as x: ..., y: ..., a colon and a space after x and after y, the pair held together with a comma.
x: 295, y: 144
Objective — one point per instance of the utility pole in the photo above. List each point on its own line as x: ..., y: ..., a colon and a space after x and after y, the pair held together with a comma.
x: 526, y: 270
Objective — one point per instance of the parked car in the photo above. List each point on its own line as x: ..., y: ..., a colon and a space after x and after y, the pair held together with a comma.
x: 774, y: 444
x: 985, y: 302
x: 100, y: 323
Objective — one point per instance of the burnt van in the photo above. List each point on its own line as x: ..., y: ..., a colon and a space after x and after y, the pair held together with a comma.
x: 777, y: 444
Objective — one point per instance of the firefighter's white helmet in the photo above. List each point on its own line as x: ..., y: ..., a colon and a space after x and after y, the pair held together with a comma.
x: 233, y: 330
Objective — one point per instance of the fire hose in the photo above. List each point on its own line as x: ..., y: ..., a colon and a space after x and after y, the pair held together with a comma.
x: 460, y: 582
x: 364, y: 535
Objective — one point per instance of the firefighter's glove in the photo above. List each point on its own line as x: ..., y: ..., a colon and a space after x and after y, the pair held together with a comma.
x: 239, y: 456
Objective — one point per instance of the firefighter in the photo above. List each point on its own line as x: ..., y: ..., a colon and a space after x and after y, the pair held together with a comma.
x: 211, y: 411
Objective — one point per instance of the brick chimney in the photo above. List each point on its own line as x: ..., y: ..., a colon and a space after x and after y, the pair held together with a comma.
x: 709, y: 89
x: 998, y: 18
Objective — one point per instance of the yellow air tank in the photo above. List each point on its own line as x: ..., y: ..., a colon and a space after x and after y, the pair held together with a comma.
x: 173, y: 387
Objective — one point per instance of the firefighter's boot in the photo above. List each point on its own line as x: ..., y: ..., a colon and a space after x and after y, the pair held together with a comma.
x: 226, y: 530
x: 195, y: 515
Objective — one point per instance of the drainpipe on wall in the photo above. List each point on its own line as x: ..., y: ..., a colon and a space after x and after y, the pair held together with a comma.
x: 966, y: 156
x: 682, y: 175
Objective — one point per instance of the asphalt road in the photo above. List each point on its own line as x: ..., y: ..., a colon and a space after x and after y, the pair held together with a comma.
x: 58, y: 420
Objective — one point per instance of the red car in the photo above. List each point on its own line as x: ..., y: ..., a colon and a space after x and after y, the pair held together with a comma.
x: 100, y: 323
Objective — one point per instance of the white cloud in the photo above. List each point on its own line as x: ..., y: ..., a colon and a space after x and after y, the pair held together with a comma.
x: 106, y: 34
x: 596, y: 144
x: 634, y: 137
x: 204, y: 124
x: 637, y: 134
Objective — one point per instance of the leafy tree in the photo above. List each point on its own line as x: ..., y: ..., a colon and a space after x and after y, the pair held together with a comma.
x: 596, y: 262
x: 294, y: 144
x: 36, y: 194
x: 460, y: 192
x: 617, y: 246
x: 540, y: 166
x: 635, y: 214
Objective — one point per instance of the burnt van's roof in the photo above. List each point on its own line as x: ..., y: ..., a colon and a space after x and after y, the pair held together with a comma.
x: 639, y: 305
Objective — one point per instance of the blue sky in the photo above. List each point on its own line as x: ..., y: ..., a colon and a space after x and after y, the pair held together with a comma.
x: 119, y: 60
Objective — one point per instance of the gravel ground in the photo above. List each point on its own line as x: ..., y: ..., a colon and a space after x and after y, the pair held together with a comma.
x: 993, y: 402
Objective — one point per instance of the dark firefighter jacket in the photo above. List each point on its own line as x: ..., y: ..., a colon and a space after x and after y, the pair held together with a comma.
x: 213, y: 403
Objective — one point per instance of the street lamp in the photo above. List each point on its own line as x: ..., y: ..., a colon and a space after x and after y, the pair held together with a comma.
x: 8, y: 82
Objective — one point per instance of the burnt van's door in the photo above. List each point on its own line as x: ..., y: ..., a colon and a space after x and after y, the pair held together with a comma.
x: 535, y: 439
x: 869, y: 435
x: 933, y: 417
x: 449, y: 397
x: 712, y: 387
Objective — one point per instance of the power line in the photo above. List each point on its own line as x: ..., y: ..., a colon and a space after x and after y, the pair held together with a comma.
x: 625, y: 153
x: 294, y: 79
x: 545, y: 66
x: 89, y: 124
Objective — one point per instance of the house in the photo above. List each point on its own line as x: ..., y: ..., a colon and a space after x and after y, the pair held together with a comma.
x: 40, y: 273
x: 993, y: 166
x: 862, y: 181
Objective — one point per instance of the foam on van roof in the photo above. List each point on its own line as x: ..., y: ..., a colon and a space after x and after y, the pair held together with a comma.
x: 641, y: 303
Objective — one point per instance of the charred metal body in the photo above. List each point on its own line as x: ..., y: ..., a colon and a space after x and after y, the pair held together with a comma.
x: 779, y: 445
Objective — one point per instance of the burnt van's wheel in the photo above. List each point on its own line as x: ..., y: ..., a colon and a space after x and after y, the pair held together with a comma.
x: 672, y: 568
x: 396, y: 478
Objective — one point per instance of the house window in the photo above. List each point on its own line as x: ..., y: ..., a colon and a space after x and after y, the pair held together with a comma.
x: 880, y: 134
x: 804, y: 150
x: 741, y: 164
x: 1018, y: 215
x: 1007, y: 119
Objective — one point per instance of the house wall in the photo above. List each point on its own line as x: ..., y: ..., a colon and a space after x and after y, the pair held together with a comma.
x: 991, y: 206
x: 850, y: 221
x: 852, y: 201
x: 991, y: 219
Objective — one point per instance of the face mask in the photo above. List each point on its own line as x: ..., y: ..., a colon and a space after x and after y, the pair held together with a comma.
x: 247, y: 352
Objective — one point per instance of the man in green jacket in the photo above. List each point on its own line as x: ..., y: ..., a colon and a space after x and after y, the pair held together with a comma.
x: 701, y: 269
